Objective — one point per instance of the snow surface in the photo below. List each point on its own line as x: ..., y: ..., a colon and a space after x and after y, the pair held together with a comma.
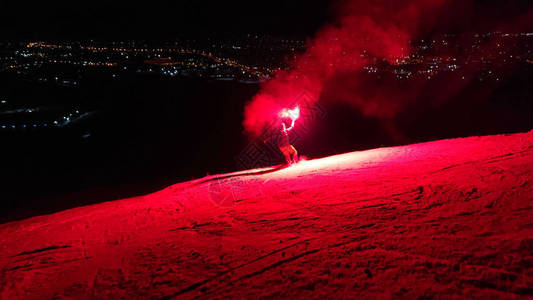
x: 445, y: 219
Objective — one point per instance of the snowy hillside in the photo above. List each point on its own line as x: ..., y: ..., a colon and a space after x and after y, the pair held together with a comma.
x: 450, y: 218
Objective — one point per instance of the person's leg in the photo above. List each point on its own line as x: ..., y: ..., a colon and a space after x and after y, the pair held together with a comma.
x: 287, y: 154
x: 288, y: 159
x: 294, y: 154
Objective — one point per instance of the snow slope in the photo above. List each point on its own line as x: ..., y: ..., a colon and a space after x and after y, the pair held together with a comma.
x: 450, y: 218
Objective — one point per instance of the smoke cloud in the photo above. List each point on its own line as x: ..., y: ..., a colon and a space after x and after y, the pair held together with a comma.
x: 379, y: 33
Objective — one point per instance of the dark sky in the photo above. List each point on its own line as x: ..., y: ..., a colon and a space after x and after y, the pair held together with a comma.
x: 120, y: 19
x: 155, y: 18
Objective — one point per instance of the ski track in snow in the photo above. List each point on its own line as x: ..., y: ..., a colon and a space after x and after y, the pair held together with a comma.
x: 449, y: 219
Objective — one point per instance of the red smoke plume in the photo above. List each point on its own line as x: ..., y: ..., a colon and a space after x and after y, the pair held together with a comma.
x: 363, y: 33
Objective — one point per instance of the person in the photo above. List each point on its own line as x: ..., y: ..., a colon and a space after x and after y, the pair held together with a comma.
x: 284, y: 145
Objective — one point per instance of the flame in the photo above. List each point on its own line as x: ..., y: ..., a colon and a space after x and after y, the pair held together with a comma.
x: 291, y: 113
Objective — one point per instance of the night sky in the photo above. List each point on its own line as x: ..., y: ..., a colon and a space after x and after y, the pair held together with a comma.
x: 157, y: 19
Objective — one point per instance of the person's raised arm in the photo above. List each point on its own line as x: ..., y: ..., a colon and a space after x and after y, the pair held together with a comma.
x: 290, y: 128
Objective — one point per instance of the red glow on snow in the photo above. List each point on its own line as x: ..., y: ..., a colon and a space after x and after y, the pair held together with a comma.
x: 360, y: 159
x: 465, y: 203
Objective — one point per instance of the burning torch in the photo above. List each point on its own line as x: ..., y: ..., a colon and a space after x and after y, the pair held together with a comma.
x: 293, y: 114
